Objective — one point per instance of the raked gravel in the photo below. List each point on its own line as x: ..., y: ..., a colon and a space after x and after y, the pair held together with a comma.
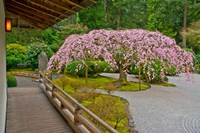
x: 165, y: 109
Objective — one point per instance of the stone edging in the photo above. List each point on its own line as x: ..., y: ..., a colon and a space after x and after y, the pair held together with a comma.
x: 26, y: 74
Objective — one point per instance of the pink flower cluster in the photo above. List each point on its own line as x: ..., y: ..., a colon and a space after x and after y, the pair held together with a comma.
x: 134, y: 46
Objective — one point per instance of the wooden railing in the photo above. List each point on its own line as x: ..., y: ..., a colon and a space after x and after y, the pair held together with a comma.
x: 73, y: 111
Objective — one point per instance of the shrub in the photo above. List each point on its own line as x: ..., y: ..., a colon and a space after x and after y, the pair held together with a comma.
x: 155, y: 73
x: 11, y: 81
x: 171, y: 71
x: 34, y: 50
x: 94, y: 67
x: 11, y: 62
x: 15, y: 54
x: 133, y: 70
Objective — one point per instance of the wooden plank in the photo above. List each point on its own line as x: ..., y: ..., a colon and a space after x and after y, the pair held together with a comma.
x: 33, y: 9
x: 62, y: 5
x: 47, y: 6
x: 75, y: 3
x: 30, y: 12
x: 29, y: 110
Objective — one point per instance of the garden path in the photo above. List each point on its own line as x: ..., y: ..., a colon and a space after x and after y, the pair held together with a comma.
x: 165, y: 109
x: 30, y: 111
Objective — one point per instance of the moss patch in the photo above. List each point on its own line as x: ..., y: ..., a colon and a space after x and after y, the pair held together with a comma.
x: 97, y: 83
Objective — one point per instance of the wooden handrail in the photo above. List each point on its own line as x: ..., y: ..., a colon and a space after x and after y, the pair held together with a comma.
x: 73, y: 106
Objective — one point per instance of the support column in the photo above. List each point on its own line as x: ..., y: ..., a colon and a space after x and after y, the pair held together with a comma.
x: 3, y: 85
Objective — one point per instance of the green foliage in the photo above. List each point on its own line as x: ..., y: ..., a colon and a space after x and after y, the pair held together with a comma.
x: 164, y: 17
x: 11, y: 81
x: 15, y: 54
x: 11, y: 62
x: 155, y: 77
x: 197, y: 63
x: 69, y: 29
x: 197, y: 59
x: 23, y: 36
x: 94, y: 16
x: 171, y: 71
x: 34, y: 50
x: 193, y: 36
x: 111, y: 110
x: 94, y: 67
x: 133, y: 70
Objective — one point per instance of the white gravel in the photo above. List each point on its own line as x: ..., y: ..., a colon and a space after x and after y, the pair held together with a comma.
x: 165, y: 109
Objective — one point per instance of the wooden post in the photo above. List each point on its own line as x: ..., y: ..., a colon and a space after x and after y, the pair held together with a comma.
x: 77, y: 111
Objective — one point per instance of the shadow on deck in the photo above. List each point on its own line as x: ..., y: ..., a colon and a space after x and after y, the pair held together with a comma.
x: 30, y: 111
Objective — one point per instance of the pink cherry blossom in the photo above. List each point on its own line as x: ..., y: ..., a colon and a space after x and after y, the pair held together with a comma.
x: 135, y: 46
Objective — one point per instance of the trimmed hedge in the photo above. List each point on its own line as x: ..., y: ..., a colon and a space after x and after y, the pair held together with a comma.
x: 11, y: 81
x: 94, y: 67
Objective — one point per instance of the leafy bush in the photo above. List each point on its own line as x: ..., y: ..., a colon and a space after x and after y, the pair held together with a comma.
x: 155, y: 73
x: 34, y: 50
x: 15, y: 54
x: 171, y: 71
x: 94, y: 67
x: 11, y: 81
x: 133, y: 70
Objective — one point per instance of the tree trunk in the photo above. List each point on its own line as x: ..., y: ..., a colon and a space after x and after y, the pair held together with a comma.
x: 118, y: 21
x: 122, y: 74
x: 139, y: 73
x: 147, y: 78
x: 72, y: 19
x: 86, y: 67
x: 185, y: 24
x: 105, y: 9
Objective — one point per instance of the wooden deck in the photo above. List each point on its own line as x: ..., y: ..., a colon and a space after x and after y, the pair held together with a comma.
x: 30, y: 111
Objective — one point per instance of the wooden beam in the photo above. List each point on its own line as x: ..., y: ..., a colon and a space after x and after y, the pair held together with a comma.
x: 94, y: 1
x: 21, y: 14
x: 62, y: 5
x: 74, y: 3
x: 46, y: 6
x: 28, y: 12
x: 32, y: 23
x: 17, y: 3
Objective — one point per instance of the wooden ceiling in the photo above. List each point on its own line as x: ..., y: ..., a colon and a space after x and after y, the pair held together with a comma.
x: 42, y: 13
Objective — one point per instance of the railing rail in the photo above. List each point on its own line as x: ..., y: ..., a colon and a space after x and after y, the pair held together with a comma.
x: 72, y: 110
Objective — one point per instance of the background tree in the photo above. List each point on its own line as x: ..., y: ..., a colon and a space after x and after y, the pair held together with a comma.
x: 193, y: 35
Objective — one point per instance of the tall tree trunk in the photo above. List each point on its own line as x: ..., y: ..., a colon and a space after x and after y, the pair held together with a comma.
x: 105, y: 9
x: 118, y: 21
x: 185, y: 24
x: 122, y: 74
x: 73, y: 19
x: 147, y: 78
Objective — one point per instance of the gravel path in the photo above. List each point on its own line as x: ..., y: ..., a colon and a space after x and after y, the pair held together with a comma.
x: 166, y: 109
x: 26, y: 82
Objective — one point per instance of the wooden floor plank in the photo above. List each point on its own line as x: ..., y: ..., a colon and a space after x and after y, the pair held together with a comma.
x: 30, y: 111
